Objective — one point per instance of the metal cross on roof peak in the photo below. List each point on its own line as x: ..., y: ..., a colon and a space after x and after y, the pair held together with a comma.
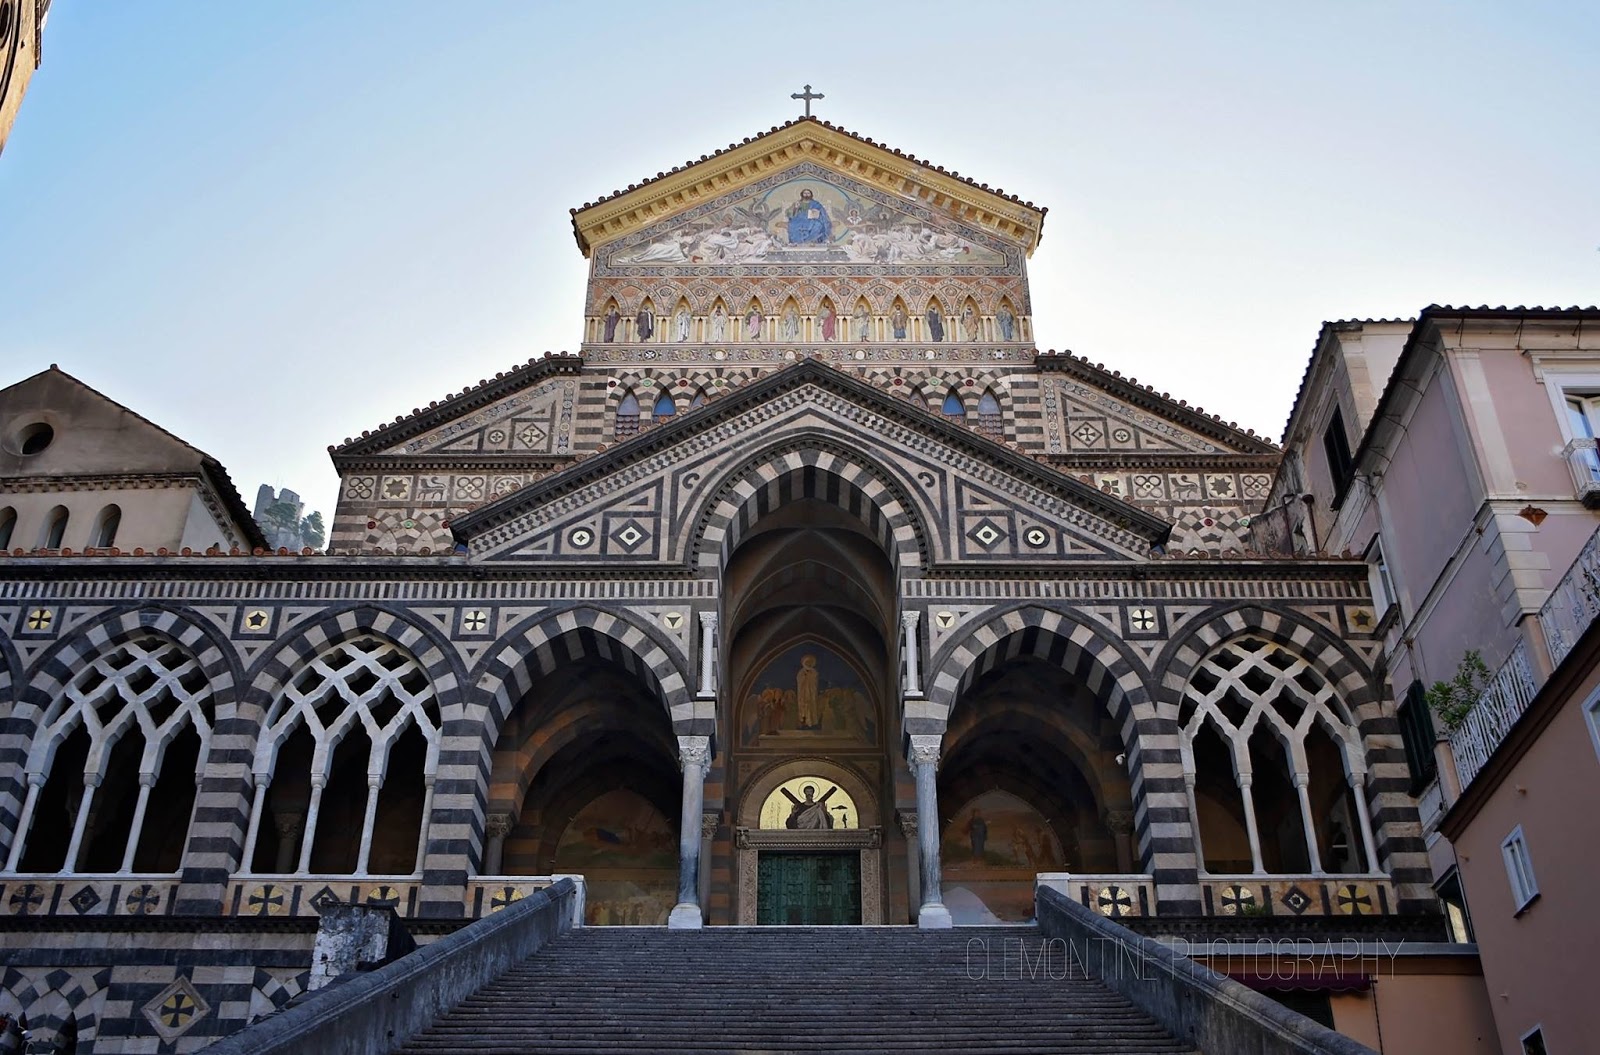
x: 808, y: 95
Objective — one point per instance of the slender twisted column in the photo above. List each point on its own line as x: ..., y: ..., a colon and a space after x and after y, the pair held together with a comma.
x: 908, y: 621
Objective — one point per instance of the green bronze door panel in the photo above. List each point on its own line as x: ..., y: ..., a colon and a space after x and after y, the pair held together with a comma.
x: 799, y: 888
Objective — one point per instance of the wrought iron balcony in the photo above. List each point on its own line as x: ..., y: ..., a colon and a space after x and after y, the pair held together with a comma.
x: 1584, y: 462
x: 1502, y: 703
x: 1575, y: 602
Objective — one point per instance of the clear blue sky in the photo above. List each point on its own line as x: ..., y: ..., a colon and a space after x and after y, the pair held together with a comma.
x: 269, y: 226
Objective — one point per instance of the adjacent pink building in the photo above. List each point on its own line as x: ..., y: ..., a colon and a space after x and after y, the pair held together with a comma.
x: 1455, y: 454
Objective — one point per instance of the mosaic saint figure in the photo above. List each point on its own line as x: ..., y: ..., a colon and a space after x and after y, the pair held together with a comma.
x: 977, y: 834
x: 719, y: 324
x: 681, y: 322
x: 830, y: 323
x: 898, y: 322
x: 645, y: 324
x: 612, y: 318
x: 791, y: 325
x: 805, y: 693
x: 752, y: 324
x: 808, y: 221
x: 812, y: 813
x: 863, y: 323
x: 935, y: 325
x: 969, y: 324
x: 1007, y: 323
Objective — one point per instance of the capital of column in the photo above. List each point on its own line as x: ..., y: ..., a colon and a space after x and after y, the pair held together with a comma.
x: 92, y: 780
x: 148, y: 780
x: 694, y: 751
x: 909, y: 619
x: 908, y: 822
x: 708, y: 823
x: 1120, y: 822
x: 923, y: 750
x: 708, y: 621
x: 1302, y: 780
x: 499, y: 825
x: 287, y: 824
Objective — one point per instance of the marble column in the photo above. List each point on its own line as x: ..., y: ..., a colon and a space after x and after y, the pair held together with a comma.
x: 287, y: 826
x: 694, y: 757
x: 1302, y: 782
x: 1120, y: 824
x: 1250, y: 828
x: 708, y: 654
x: 708, y: 833
x: 908, y: 622
x: 908, y: 828
x: 924, y: 758
x: 497, y: 826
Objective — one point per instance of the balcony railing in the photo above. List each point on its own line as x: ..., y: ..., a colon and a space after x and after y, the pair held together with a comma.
x: 1574, y: 603
x: 1502, y: 703
x: 1584, y: 462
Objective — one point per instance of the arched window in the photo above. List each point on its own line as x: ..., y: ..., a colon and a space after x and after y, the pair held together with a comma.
x: 627, y: 417
x: 699, y: 399
x: 55, y: 528
x: 990, y: 423
x: 8, y: 525
x: 104, y: 535
x: 345, y: 766
x: 953, y: 407
x: 123, y: 743
x: 665, y: 407
x: 1274, y: 765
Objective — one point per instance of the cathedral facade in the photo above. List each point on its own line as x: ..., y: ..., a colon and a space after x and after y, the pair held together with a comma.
x: 808, y: 590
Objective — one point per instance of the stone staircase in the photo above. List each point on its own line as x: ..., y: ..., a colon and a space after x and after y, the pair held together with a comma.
x: 765, y: 991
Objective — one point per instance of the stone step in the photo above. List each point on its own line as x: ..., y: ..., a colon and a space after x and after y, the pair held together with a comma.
x: 764, y: 991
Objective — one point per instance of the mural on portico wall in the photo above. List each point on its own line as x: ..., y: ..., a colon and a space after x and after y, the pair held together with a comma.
x: 628, y: 854
x: 990, y: 850
x: 806, y: 218
x: 807, y: 695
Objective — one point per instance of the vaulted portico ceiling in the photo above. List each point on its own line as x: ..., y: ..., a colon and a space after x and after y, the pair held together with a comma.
x: 807, y: 139
x: 971, y: 499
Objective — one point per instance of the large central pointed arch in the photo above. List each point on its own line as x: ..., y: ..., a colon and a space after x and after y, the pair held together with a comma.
x: 811, y: 465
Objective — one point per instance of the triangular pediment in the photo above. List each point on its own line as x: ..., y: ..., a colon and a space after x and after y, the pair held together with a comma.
x: 1092, y: 412
x: 892, y: 193
x: 521, y: 414
x: 811, y: 215
x: 648, y: 501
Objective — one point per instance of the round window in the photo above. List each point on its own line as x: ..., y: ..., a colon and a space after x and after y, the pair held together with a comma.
x: 34, y: 438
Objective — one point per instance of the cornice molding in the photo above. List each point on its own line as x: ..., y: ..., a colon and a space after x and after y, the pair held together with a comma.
x: 622, y: 214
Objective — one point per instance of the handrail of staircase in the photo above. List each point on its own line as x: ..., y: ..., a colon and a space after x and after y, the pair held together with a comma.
x: 376, y: 1013
x: 1198, y: 1006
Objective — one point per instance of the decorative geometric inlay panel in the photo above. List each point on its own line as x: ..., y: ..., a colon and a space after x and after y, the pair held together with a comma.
x: 40, y: 620
x: 268, y: 899
x: 85, y: 900
x: 1238, y: 898
x: 987, y: 534
x: 474, y: 621
x: 175, y: 1009
x: 1296, y: 900
x: 1142, y: 620
x: 1114, y: 901
x: 1355, y: 900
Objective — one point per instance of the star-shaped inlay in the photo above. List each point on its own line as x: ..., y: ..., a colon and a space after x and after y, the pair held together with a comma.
x: 672, y: 620
x: 1036, y: 537
x: 256, y: 619
x: 1361, y: 618
x: 945, y: 620
x: 40, y: 619
x: 581, y: 537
